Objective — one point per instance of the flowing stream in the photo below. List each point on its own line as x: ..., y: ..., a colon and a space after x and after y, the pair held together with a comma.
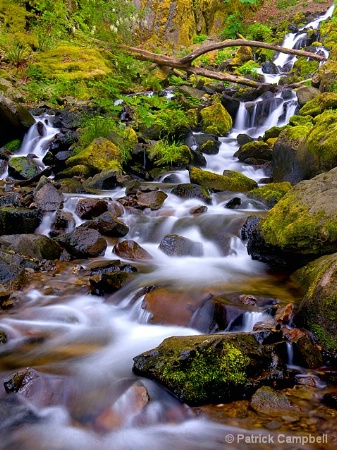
x: 83, y: 394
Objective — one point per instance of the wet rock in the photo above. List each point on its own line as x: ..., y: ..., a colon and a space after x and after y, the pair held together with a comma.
x: 109, y: 277
x: 105, y: 180
x: 19, y: 220
x: 318, y: 309
x: 109, y: 225
x: 269, y: 67
x: 130, y: 249
x: 175, y: 245
x: 268, y: 401
x: 22, y: 168
x: 48, y: 198
x: 210, y: 147
x: 18, y: 380
x: 198, y: 210
x: 153, y: 200
x: 115, y: 208
x: 243, y: 139
x: 32, y: 245
x: 83, y: 243
x: 190, y: 190
x: 168, y: 306
x: 306, y: 353
x: 330, y: 399
x: 306, y: 93
x: 64, y: 222
x: 15, y: 120
x: 88, y: 208
x: 210, y: 368
x: 233, y: 203
x: 229, y: 181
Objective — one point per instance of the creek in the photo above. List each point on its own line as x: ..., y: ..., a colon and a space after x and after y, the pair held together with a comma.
x: 83, y: 394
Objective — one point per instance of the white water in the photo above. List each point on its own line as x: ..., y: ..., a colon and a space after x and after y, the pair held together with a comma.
x: 82, y: 346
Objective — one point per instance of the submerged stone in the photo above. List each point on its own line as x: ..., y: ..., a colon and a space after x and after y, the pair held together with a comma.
x: 175, y: 245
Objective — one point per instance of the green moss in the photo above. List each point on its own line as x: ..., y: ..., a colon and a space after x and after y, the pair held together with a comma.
x: 301, y: 121
x: 70, y: 63
x: 216, y: 119
x: 326, y: 100
x: 321, y: 140
x: 165, y: 154
x: 271, y: 193
x: 229, y: 181
x: 298, y: 132
x: 291, y: 226
x: 100, y: 155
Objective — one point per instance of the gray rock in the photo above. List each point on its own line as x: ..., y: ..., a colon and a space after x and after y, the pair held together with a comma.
x: 175, y: 245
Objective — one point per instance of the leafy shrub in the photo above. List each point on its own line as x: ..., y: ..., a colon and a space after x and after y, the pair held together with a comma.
x: 199, y: 38
x: 259, y: 32
x: 248, y: 68
x: 165, y: 153
x: 233, y: 26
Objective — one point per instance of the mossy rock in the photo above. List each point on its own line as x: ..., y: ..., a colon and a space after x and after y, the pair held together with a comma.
x: 100, y: 155
x: 229, y: 181
x: 271, y: 193
x: 291, y: 160
x: 256, y: 150
x: 306, y: 121
x: 216, y: 120
x: 321, y: 140
x: 70, y: 63
x: 272, y: 133
x: 304, y: 221
x: 327, y: 74
x: 314, y: 107
x: 318, y: 309
x: 207, y: 368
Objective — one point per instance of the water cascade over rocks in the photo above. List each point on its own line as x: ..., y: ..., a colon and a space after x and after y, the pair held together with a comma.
x: 176, y: 268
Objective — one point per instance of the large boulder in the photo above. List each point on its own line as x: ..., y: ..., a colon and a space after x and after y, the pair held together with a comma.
x: 255, y: 152
x: 318, y: 309
x: 270, y: 193
x: 211, y: 368
x: 229, y: 181
x: 306, y: 93
x: 291, y: 161
x: 175, y: 245
x: 15, y: 120
x: 314, y: 107
x: 83, y: 242
x: 304, y: 221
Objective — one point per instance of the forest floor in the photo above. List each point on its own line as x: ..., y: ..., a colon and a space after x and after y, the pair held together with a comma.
x: 274, y: 12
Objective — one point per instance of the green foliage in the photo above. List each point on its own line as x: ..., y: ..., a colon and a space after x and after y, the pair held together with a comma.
x: 259, y: 32
x: 283, y: 4
x: 233, y: 26
x: 249, y: 68
x: 95, y: 127
x: 165, y: 153
x: 223, y: 55
x: 199, y: 38
x: 17, y: 54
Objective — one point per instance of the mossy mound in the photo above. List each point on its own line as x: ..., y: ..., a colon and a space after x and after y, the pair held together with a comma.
x: 305, y: 219
x: 271, y: 193
x: 70, y: 63
x: 318, y: 309
x: 254, y: 152
x: 216, y: 120
x: 321, y: 140
x: 100, y: 155
x: 229, y: 181
x: 207, y: 368
x: 314, y: 107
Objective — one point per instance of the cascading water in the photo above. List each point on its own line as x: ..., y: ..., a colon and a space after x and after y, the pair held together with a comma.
x: 85, y: 394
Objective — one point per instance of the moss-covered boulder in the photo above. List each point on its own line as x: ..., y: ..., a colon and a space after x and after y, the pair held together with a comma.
x: 254, y: 152
x: 306, y: 93
x: 291, y: 161
x: 31, y: 245
x: 229, y: 181
x: 314, y: 107
x: 210, y: 368
x: 270, y: 194
x: 305, y: 219
x: 71, y: 63
x: 318, y: 309
x: 325, y: 78
x: 100, y: 155
x: 22, y: 168
x: 216, y: 119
